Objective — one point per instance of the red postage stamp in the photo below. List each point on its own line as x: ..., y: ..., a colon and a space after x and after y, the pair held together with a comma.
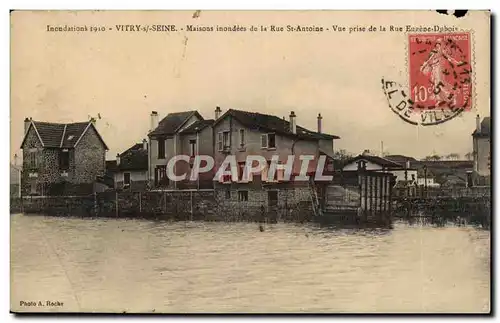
x: 440, y: 71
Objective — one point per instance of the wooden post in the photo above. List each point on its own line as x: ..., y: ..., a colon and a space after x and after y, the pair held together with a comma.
x: 384, y: 195
x: 116, y: 204
x: 371, y: 193
x: 140, y: 202
x: 95, y: 203
x: 390, y: 195
x: 165, y: 202
x: 365, y: 181
x: 191, y: 202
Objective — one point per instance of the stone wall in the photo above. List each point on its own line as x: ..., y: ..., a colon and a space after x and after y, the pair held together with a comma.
x: 89, y: 158
x: 293, y: 204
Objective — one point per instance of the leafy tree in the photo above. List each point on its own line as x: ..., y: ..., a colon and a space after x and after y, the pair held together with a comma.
x: 432, y: 158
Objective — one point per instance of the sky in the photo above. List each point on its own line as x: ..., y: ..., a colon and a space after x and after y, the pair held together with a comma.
x: 123, y: 76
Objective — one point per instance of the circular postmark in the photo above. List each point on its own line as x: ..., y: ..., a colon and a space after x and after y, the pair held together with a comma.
x: 440, y: 80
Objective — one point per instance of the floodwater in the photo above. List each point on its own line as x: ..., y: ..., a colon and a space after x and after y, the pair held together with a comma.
x: 110, y: 265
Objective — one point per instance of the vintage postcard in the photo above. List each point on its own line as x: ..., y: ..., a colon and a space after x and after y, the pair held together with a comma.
x: 250, y: 162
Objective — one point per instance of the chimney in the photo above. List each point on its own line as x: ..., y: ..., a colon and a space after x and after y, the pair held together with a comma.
x: 92, y: 120
x: 319, y: 122
x: 154, y: 121
x: 478, y: 124
x: 117, y: 159
x: 144, y: 144
x: 217, y: 112
x: 293, y: 122
x: 27, y: 123
x: 407, y: 164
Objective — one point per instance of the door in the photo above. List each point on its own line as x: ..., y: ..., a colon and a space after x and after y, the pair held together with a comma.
x: 272, y: 202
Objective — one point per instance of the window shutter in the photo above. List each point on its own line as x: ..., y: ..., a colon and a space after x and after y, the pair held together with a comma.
x: 219, y: 142
x: 263, y: 139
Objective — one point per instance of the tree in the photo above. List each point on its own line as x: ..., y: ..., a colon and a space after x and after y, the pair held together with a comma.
x: 342, y: 155
x: 432, y: 158
x: 452, y: 156
x: 469, y: 156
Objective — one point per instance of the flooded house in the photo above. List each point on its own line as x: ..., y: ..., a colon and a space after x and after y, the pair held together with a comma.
x: 481, y: 143
x: 242, y: 134
x: 179, y: 133
x: 61, y: 158
x: 130, y: 169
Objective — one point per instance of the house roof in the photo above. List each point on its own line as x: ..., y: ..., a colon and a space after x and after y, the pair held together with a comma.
x: 134, y: 158
x: 485, y: 128
x: 172, y: 122
x: 376, y: 160
x: 400, y: 158
x: 198, y: 126
x: 444, y: 164
x: 60, y: 135
x: 111, y: 166
x: 255, y: 120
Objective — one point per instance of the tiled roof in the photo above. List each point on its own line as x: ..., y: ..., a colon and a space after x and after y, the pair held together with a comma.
x: 60, y: 135
x: 134, y: 158
x: 376, y: 160
x: 485, y: 128
x: 400, y: 158
x: 198, y: 126
x: 255, y: 120
x: 72, y: 133
x: 171, y: 123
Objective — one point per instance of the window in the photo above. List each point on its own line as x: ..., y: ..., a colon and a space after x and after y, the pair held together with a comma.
x: 225, y: 140
x: 276, y: 172
x: 64, y: 159
x: 242, y: 137
x: 228, y: 194
x: 268, y: 140
x: 263, y: 140
x: 219, y: 141
x: 161, y: 148
x: 272, y: 198
x: 33, y: 188
x: 192, y: 147
x: 241, y: 170
x: 126, y: 179
x: 32, y: 160
x: 271, y: 140
x: 242, y: 196
x: 160, y: 174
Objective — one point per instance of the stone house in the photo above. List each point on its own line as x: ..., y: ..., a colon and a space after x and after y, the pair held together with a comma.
x: 481, y: 143
x: 61, y: 158
x: 130, y: 169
